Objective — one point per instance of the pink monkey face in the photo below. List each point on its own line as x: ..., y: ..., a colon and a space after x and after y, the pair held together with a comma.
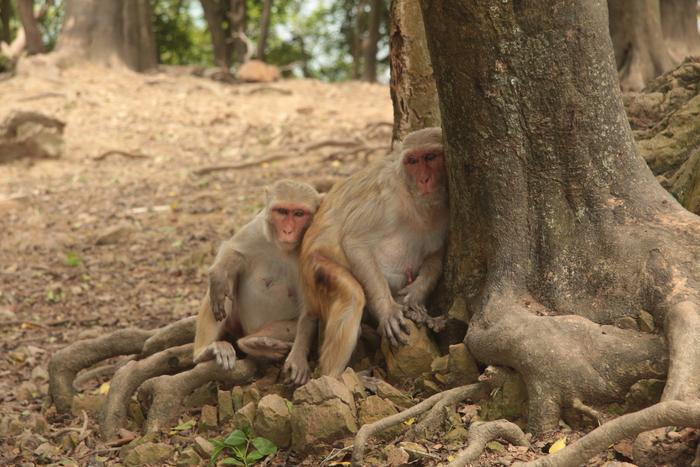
x: 290, y: 220
x: 426, y: 168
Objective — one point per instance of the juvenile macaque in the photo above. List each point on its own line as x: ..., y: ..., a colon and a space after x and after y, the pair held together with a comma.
x: 254, y: 289
x: 378, y: 240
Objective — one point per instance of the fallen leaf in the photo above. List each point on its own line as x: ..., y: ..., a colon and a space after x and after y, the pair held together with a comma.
x: 558, y: 445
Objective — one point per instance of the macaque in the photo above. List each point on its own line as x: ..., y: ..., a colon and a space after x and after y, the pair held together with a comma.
x: 254, y: 287
x: 377, y: 240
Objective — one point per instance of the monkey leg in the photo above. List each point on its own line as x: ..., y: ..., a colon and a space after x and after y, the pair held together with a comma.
x: 272, y: 341
x: 342, y: 329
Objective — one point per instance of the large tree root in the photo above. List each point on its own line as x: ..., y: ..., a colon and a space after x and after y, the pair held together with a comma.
x: 670, y: 413
x: 128, y: 379
x: 178, y: 333
x: 164, y: 394
x: 482, y: 433
x: 67, y: 362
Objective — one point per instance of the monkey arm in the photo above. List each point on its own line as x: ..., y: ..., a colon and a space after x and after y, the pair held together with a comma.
x: 224, y: 276
x: 296, y: 364
x: 416, y: 293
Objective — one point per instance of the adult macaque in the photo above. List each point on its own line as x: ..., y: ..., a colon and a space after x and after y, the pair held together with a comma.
x: 378, y: 239
x: 253, y: 295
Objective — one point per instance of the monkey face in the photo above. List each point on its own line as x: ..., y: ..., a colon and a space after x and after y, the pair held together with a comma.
x: 426, y: 168
x: 290, y: 222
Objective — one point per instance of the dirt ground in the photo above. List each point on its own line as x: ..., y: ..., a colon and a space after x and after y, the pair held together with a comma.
x: 97, y: 241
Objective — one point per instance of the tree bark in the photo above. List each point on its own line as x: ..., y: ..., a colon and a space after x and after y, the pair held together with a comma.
x: 108, y: 33
x: 5, y: 16
x: 264, y: 29
x: 679, y: 22
x: 358, y: 32
x: 215, y: 17
x: 560, y: 236
x: 371, y: 44
x: 238, y: 18
x: 640, y: 52
x: 413, y: 90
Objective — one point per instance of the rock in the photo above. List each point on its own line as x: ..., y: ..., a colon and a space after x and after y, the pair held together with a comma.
x: 40, y: 374
x: 462, y: 367
x: 251, y: 394
x: 149, y: 454
x: 69, y: 440
x: 456, y: 435
x: 495, y: 446
x: 245, y: 417
x: 258, y: 72
x: 237, y: 397
x: 203, y: 395
x: 47, y: 452
x: 394, y: 456
x: 273, y: 420
x: 646, y: 321
x: 375, y: 408
x: 189, y: 457
x: 415, y: 451
x: 627, y: 322
x: 114, y: 234
x: 410, y: 361
x: 644, y: 393
x: 354, y: 384
x: 27, y: 391
x: 510, y: 402
x: 439, y: 364
x: 387, y: 391
x: 225, y: 406
x: 323, y: 389
x: 30, y: 134
x: 90, y: 403
x: 459, y: 311
x: 127, y: 448
x: 323, y: 412
x: 208, y: 420
x: 203, y: 447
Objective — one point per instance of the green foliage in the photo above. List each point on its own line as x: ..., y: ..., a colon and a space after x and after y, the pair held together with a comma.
x: 245, y: 449
x: 181, y: 37
x: 51, y: 23
x: 72, y: 259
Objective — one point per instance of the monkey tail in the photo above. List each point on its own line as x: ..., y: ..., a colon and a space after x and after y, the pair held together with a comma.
x: 344, y: 302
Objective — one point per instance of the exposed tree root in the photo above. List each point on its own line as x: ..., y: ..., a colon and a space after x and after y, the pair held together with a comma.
x: 66, y: 363
x: 454, y: 395
x: 587, y: 411
x: 482, y: 433
x: 178, y: 333
x: 128, y: 379
x: 117, y: 152
x: 166, y: 393
x: 669, y: 413
x: 98, y: 372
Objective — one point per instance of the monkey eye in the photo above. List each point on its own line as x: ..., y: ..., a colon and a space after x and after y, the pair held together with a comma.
x: 282, y: 211
x: 299, y: 213
x: 411, y: 160
x: 430, y: 156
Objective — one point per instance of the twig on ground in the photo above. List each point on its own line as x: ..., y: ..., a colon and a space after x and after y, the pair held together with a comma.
x: 482, y: 433
x: 117, y: 152
x: 588, y: 411
x: 335, y: 453
x: 42, y: 95
x: 668, y: 413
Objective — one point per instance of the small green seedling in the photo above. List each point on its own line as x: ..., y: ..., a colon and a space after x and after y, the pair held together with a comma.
x: 245, y: 449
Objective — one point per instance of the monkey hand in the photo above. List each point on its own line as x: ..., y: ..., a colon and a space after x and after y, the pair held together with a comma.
x: 220, y: 288
x: 393, y: 325
x: 414, y: 295
x: 297, y: 368
x: 222, y: 351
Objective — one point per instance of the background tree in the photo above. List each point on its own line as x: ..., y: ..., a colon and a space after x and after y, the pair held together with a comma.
x: 640, y: 51
x: 110, y: 33
x: 5, y: 16
x: 264, y: 29
x: 215, y: 14
x: 679, y: 22
x: 30, y: 23
x: 371, y: 41
x: 560, y: 232
x: 181, y: 40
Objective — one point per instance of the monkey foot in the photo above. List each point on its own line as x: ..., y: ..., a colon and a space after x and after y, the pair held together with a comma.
x: 419, y: 315
x: 264, y: 347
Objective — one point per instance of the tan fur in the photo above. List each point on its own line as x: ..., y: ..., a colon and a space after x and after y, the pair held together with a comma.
x: 368, y: 228
x: 260, y: 279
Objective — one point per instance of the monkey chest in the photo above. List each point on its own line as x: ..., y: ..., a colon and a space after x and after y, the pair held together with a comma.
x: 400, y: 257
x: 268, y: 294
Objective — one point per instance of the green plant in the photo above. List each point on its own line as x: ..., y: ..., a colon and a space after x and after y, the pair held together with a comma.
x: 245, y: 449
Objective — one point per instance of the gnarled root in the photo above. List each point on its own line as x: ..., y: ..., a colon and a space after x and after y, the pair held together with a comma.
x: 660, y: 415
x: 482, y: 433
x: 178, y: 333
x: 476, y: 390
x: 167, y: 392
x: 66, y: 363
x: 128, y: 378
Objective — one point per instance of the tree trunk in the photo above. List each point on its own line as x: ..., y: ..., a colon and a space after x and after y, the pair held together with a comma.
x: 264, y: 29
x: 413, y: 90
x: 108, y: 33
x: 371, y: 44
x: 238, y: 18
x: 561, y: 239
x: 640, y: 52
x: 35, y: 43
x: 215, y: 18
x: 358, y: 32
x: 5, y: 16
x: 679, y: 22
